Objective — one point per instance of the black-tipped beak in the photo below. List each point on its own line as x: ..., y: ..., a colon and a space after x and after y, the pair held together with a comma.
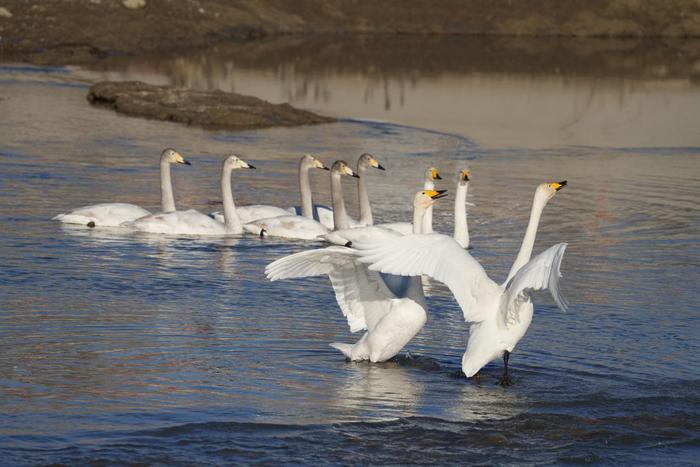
x: 187, y: 162
x: 325, y: 168
x: 251, y: 166
x: 355, y: 175
x: 380, y: 167
x: 440, y: 194
x: 562, y: 184
x: 438, y: 177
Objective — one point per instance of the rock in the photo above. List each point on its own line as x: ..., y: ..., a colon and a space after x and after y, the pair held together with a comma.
x: 206, y: 109
x: 134, y: 4
x: 5, y: 13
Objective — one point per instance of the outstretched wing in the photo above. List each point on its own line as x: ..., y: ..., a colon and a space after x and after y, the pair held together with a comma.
x: 541, y: 272
x: 434, y: 255
x: 362, y: 295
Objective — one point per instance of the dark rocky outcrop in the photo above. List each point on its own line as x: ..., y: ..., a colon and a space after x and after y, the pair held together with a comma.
x: 206, y: 109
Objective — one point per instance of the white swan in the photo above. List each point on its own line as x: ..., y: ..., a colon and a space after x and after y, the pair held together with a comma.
x: 192, y: 222
x: 301, y: 227
x: 499, y: 315
x: 114, y: 214
x: 461, y: 230
x: 390, y: 308
x: 406, y: 228
x: 254, y: 212
x: 364, y: 162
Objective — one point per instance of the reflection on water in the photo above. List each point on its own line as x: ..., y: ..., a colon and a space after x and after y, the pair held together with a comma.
x: 124, y: 348
x: 500, y: 92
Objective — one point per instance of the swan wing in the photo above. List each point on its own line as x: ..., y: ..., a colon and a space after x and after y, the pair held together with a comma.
x: 252, y: 213
x: 541, y: 272
x: 434, y: 255
x: 103, y: 215
x: 362, y: 295
x: 358, y: 234
x: 189, y: 222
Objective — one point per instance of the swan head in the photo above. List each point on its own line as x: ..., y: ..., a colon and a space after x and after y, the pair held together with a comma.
x: 464, y: 175
x: 234, y: 161
x: 171, y: 156
x: 546, y: 191
x: 368, y: 160
x: 342, y: 168
x: 310, y: 162
x: 426, y: 198
x: 432, y: 174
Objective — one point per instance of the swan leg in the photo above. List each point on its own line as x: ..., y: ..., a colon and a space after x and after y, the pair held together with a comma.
x: 505, y: 380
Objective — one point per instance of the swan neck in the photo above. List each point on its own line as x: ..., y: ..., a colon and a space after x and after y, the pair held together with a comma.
x: 340, y: 215
x: 418, y: 215
x: 461, y: 233
x: 427, y: 221
x: 231, y: 219
x: 363, y: 197
x: 525, y: 252
x: 307, y: 207
x: 167, y: 200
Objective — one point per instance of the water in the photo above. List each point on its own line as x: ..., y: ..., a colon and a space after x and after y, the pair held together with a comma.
x: 124, y: 348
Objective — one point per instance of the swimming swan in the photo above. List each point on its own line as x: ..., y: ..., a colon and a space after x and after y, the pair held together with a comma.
x: 405, y: 228
x: 390, y: 308
x: 300, y: 227
x: 364, y: 162
x: 114, y: 214
x: 254, y: 212
x: 192, y: 222
x: 461, y: 231
x: 499, y: 315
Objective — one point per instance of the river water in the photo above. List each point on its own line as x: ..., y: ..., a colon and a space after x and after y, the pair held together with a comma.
x: 119, y: 348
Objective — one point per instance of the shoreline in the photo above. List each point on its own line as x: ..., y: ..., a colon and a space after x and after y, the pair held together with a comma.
x: 88, y: 31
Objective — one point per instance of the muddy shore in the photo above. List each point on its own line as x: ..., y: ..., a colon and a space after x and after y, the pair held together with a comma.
x: 60, y: 32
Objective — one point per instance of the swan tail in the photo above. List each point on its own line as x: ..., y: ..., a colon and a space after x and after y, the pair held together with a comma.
x: 346, y: 349
x: 58, y: 217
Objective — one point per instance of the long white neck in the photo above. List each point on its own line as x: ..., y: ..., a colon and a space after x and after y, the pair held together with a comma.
x: 340, y: 215
x: 418, y: 216
x: 307, y: 206
x: 363, y: 197
x: 231, y: 219
x: 427, y: 221
x: 167, y: 200
x: 529, y: 240
x: 461, y: 233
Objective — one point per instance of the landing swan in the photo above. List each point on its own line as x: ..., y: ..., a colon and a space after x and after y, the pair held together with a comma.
x: 499, y: 315
x: 300, y: 227
x: 192, y: 222
x: 114, y: 214
x: 254, y: 212
x: 390, y: 308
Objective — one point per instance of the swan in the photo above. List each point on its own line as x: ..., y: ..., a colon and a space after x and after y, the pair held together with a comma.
x: 390, y: 308
x: 254, y: 212
x: 499, y: 315
x: 192, y: 222
x: 301, y: 227
x: 406, y: 228
x: 431, y: 175
x: 114, y: 214
x: 461, y: 231
x: 364, y: 162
